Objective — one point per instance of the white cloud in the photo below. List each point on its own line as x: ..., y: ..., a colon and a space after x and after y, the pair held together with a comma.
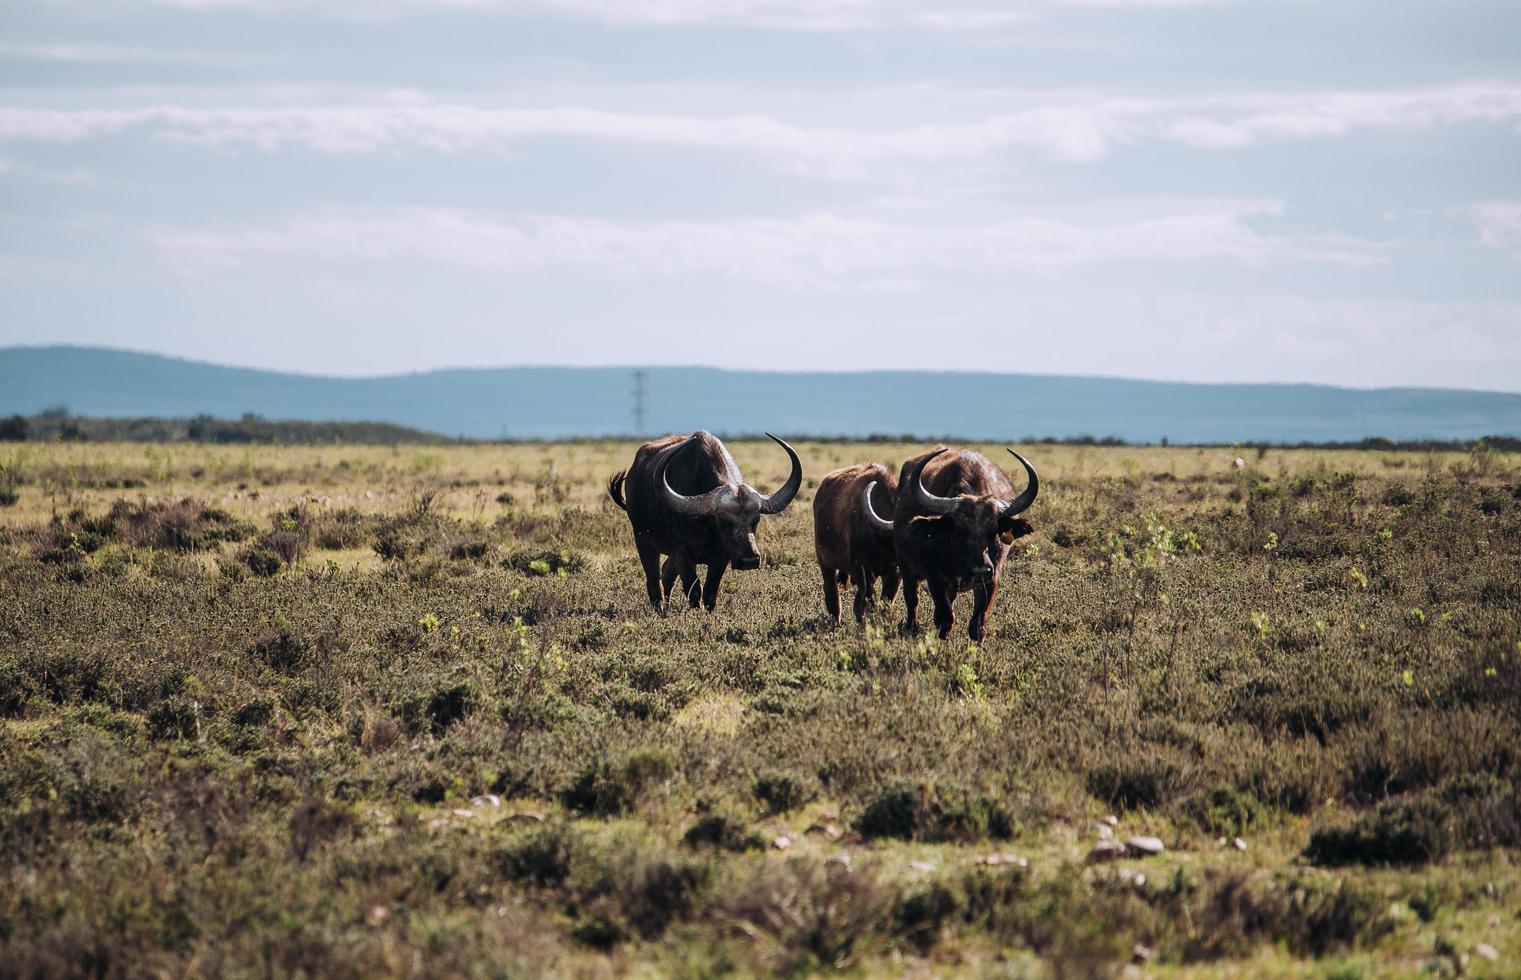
x: 66, y: 176
x: 1418, y: 343
x: 1077, y: 129
x: 114, y: 54
x: 808, y: 252
x: 1499, y: 224
x: 1241, y: 123
x: 797, y: 15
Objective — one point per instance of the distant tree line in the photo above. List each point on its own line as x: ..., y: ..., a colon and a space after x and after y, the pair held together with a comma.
x: 57, y: 425
x: 1502, y: 444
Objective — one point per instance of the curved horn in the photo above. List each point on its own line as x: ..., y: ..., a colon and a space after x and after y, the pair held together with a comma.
x: 925, y: 499
x: 700, y: 505
x: 1021, y: 503
x: 777, y: 502
x: 870, y: 512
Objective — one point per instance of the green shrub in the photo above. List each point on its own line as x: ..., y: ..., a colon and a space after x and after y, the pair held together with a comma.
x: 656, y: 893
x: 289, y: 545
x: 255, y: 713
x: 724, y: 833
x: 261, y: 561
x: 468, y: 549
x: 599, y: 932
x: 605, y: 790
x: 781, y: 793
x: 923, y: 916
x: 1139, y: 780
x: 816, y: 916
x: 1232, y: 912
x: 1404, y: 831
x: 930, y: 813
x: 345, y: 527
x: 542, y: 857
x: 433, y: 712
x: 174, y: 718
x: 315, y: 823
x: 545, y: 561
x: 410, y: 534
x: 182, y: 525
x: 895, y: 812
x: 282, y: 650
x: 1225, y: 811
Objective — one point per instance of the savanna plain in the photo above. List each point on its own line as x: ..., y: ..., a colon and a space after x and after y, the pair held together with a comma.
x: 357, y: 711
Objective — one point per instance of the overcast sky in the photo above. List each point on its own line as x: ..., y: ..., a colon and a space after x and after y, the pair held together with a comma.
x: 1236, y: 190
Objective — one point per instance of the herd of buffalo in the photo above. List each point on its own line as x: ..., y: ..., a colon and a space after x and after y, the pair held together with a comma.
x: 947, y: 520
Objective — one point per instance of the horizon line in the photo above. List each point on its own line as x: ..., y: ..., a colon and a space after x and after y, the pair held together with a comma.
x: 316, y: 375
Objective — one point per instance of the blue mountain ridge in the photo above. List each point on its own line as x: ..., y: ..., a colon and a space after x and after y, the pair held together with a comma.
x: 564, y: 402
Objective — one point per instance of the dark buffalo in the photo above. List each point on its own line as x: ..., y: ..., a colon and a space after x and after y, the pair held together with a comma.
x: 685, y: 498
x: 848, y: 545
x: 957, y: 516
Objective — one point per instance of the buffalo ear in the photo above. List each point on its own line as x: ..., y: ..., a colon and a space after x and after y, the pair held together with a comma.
x: 1018, y: 528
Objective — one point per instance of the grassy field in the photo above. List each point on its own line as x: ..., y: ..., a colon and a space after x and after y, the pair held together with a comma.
x: 359, y: 710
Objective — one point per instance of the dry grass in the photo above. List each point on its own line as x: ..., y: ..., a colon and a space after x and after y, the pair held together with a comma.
x: 253, y: 702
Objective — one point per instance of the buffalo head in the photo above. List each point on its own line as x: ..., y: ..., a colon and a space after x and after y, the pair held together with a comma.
x: 736, y: 508
x: 975, y: 526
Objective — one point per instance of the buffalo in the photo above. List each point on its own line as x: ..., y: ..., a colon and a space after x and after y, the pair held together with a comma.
x: 957, y: 514
x: 685, y: 498
x: 848, y: 545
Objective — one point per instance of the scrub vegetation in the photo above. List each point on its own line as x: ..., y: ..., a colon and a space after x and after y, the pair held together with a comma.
x: 350, y: 710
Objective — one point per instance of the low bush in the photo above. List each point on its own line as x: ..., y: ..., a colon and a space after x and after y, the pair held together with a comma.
x: 927, y: 812
x: 812, y: 915
x: 432, y: 712
x: 281, y: 649
x: 781, y: 792
x: 545, y: 561
x: 1469, y: 812
x: 342, y: 528
x: 1225, y: 811
x: 1139, y: 779
x: 182, y: 525
x: 723, y: 832
x: 262, y: 561
x: 604, y: 789
x: 541, y: 857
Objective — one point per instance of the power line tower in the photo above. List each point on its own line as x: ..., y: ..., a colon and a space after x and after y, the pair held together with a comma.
x: 641, y: 381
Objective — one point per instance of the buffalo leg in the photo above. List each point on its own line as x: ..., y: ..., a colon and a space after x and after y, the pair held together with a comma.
x: 649, y: 557
x: 983, y: 591
x: 831, y: 593
x: 688, y: 571
x: 941, y: 594
x: 911, y: 604
x: 677, y: 565
x: 668, y: 576
x: 889, y: 585
x: 863, y: 583
x: 716, y: 571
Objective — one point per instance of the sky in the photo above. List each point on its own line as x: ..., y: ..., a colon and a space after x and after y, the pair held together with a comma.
x: 1202, y: 190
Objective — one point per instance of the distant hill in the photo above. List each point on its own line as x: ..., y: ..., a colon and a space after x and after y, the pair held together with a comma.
x: 554, y: 402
